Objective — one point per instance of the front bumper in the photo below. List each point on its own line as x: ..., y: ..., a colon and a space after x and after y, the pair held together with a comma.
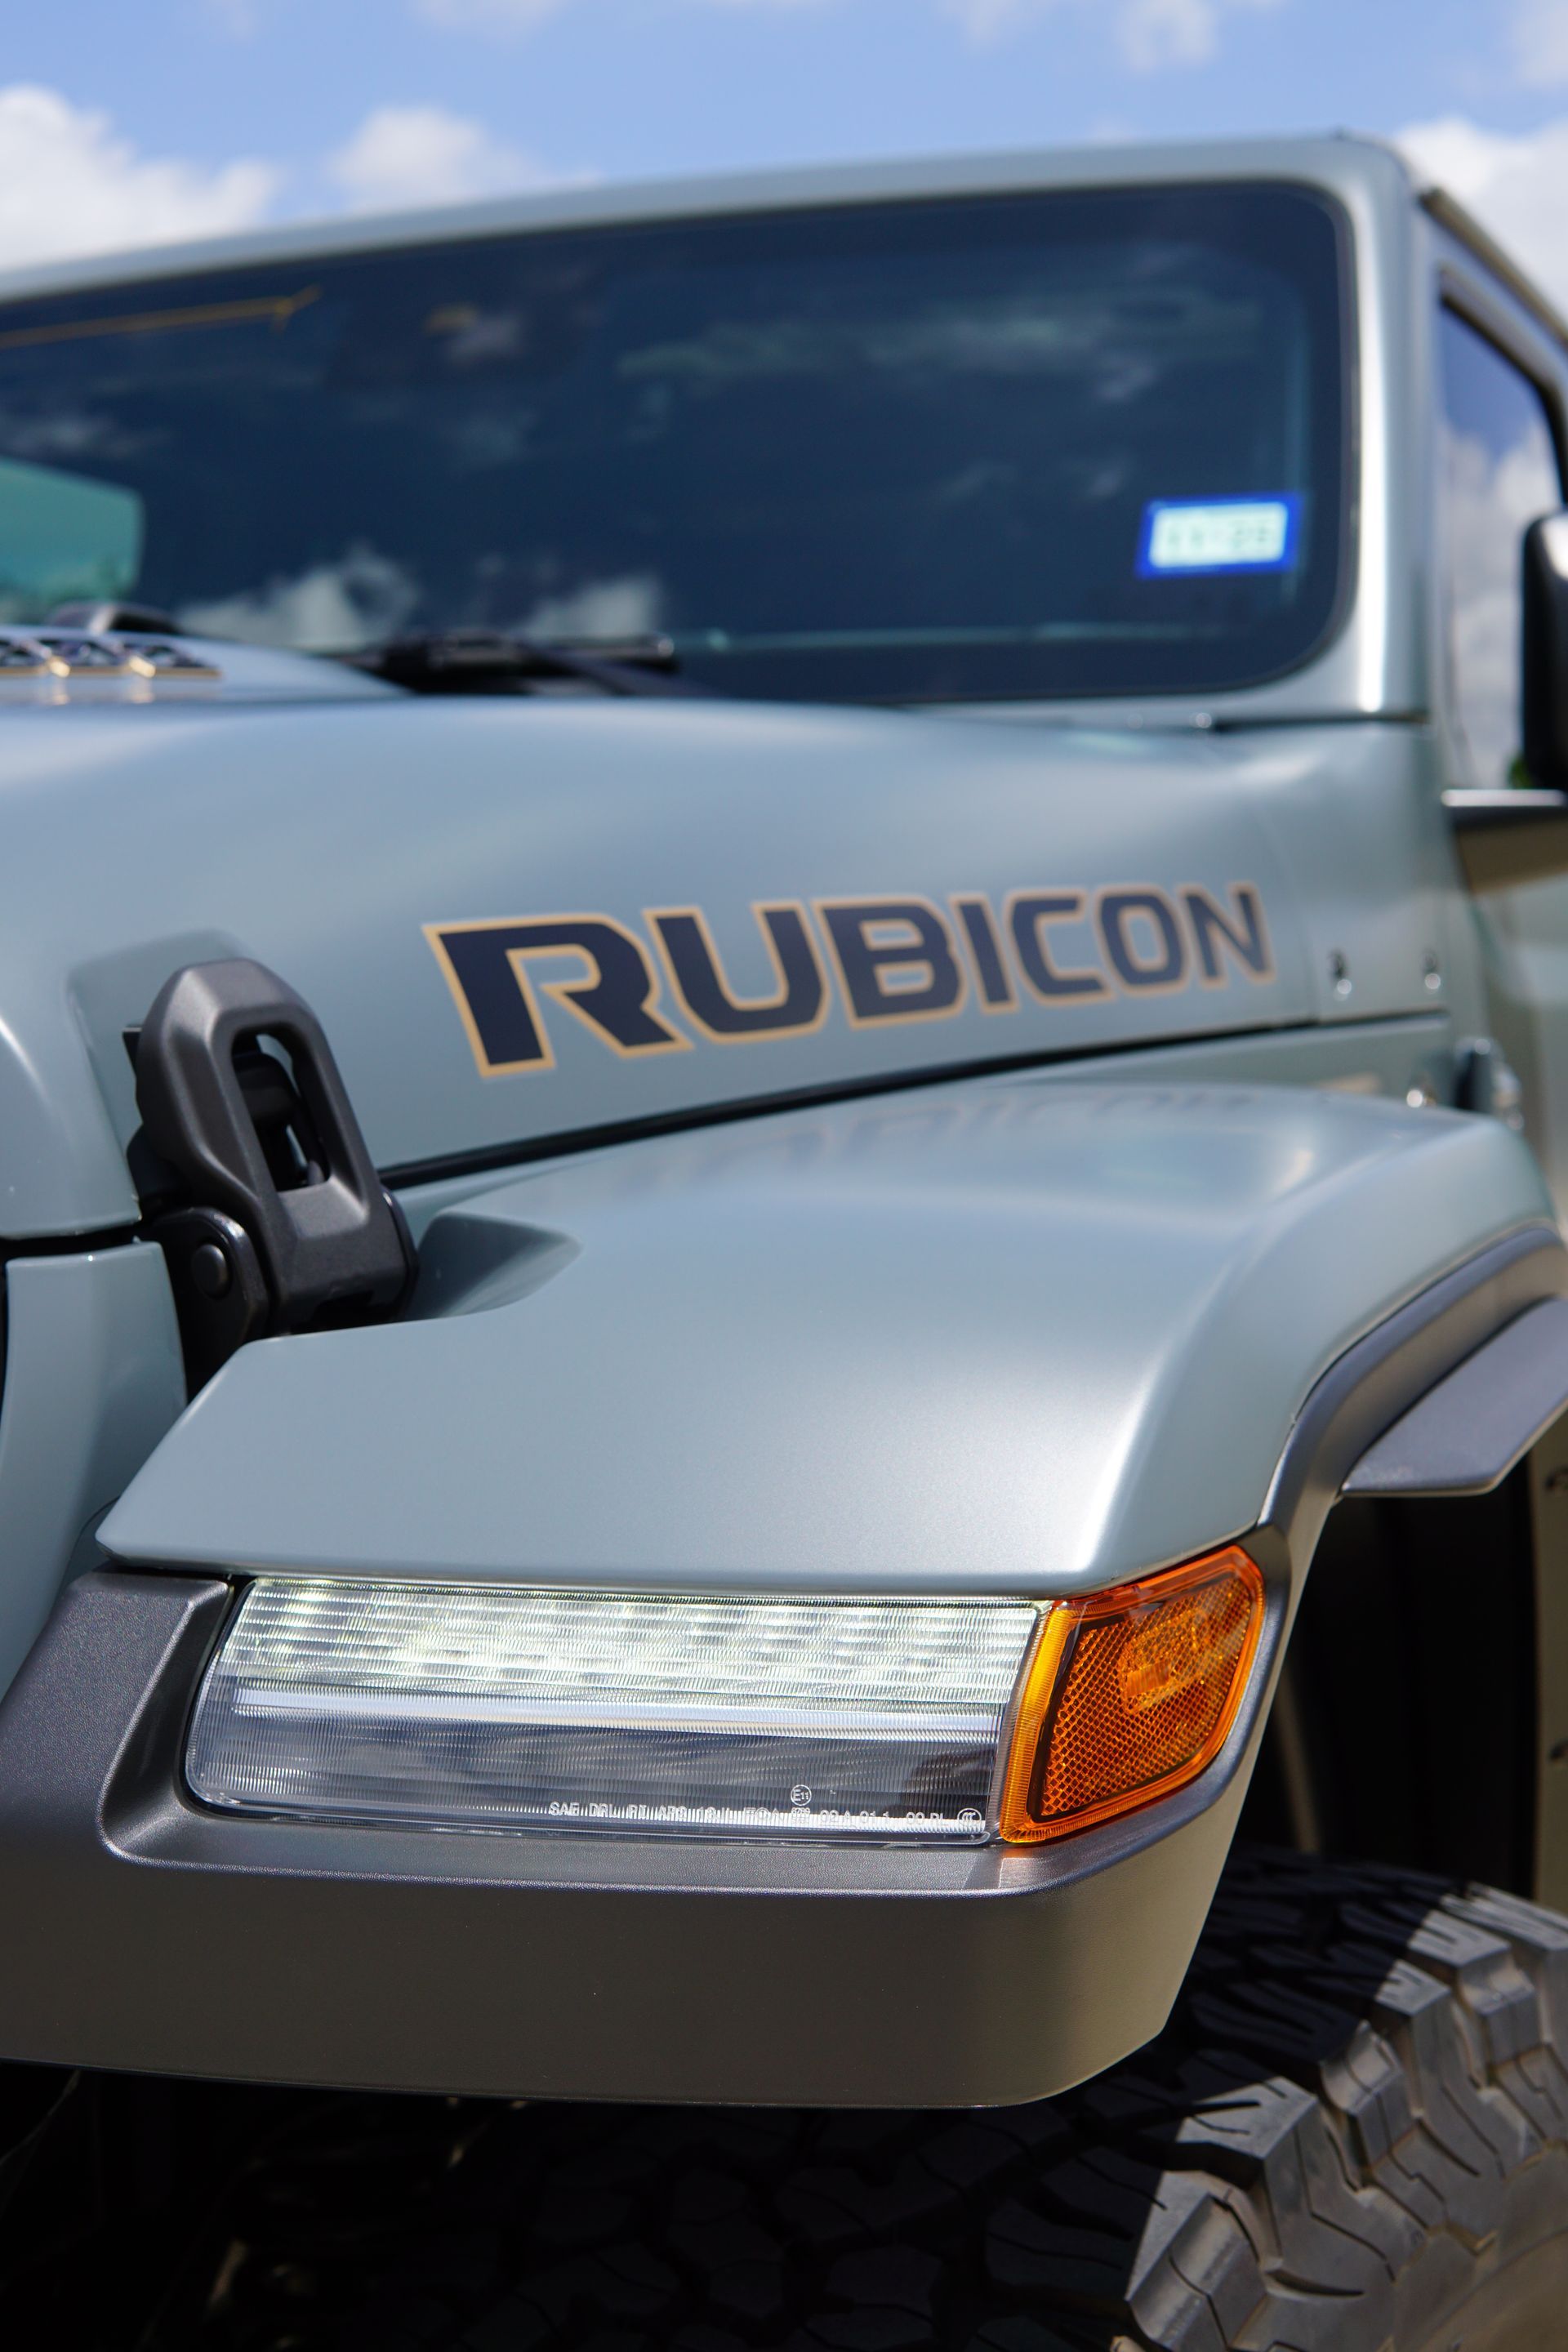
x: 145, y: 1933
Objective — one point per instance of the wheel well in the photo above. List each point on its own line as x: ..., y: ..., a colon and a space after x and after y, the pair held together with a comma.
x: 1403, y: 1728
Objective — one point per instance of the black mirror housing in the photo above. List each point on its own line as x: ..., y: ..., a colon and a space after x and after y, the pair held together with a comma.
x: 1545, y: 617
x: 1515, y: 833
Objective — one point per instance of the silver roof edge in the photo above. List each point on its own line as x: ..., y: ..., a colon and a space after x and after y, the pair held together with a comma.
x: 588, y: 205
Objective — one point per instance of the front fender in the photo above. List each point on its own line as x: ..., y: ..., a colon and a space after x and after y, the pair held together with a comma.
x: 1023, y: 1336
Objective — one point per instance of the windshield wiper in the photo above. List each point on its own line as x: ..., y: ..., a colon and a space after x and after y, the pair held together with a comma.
x: 493, y: 661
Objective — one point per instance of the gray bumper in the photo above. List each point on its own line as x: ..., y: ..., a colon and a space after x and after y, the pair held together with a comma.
x: 143, y: 1933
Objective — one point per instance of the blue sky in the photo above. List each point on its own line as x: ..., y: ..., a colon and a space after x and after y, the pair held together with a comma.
x: 180, y: 116
x: 632, y: 86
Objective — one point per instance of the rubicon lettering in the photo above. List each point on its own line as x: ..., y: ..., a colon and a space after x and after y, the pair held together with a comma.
x: 895, y: 958
x: 489, y: 966
x: 880, y: 960
x: 798, y: 1002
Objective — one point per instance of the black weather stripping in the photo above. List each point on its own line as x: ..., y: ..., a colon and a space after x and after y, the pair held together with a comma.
x: 486, y: 661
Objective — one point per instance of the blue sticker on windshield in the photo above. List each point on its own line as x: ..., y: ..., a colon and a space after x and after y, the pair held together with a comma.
x: 1191, y: 536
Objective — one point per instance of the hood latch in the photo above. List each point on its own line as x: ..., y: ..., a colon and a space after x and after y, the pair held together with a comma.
x: 287, y: 1226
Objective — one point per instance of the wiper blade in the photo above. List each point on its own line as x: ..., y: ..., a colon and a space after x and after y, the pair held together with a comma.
x: 494, y: 661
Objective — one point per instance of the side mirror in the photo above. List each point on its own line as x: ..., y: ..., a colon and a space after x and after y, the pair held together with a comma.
x: 1545, y: 619
x: 1521, y: 834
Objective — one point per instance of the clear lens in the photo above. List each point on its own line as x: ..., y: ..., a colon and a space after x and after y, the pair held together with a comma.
x: 479, y: 1705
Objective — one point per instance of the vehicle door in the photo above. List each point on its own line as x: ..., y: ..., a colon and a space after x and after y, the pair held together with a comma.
x: 1499, y: 467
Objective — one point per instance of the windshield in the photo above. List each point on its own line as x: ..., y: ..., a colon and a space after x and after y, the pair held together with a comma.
x: 1086, y: 443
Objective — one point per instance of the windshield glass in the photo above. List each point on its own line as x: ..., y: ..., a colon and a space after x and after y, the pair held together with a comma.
x: 1002, y: 447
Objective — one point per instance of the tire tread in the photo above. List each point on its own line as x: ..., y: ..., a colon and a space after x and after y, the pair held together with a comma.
x: 1358, y: 2113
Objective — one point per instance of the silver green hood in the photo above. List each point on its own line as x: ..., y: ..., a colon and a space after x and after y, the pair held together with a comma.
x: 527, y: 920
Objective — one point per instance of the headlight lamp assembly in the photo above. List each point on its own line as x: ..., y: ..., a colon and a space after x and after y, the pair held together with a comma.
x: 470, y: 1706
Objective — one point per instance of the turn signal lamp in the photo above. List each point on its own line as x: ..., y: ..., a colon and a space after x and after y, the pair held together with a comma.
x: 1130, y: 1695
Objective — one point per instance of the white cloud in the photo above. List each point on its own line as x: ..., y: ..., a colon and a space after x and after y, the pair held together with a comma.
x: 1513, y: 182
x: 1156, y: 32
x: 424, y: 155
x: 68, y: 184
x: 359, y: 600
x: 1151, y: 34
x: 1538, y: 36
x: 488, y: 15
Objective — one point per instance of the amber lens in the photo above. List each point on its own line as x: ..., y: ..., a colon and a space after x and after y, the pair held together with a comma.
x: 1131, y: 1694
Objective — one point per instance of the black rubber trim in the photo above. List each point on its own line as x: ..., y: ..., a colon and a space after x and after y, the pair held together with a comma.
x: 1375, y: 1382
x: 1245, y: 722
x: 101, y: 1237
x: 562, y: 1143
x: 1465, y: 1435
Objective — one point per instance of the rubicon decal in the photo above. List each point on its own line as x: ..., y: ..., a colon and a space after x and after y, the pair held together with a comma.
x: 873, y: 961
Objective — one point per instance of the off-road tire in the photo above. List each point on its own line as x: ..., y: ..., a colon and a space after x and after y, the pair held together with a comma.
x: 1351, y: 2137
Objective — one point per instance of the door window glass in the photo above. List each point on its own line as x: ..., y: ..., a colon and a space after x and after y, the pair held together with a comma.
x: 1500, y: 473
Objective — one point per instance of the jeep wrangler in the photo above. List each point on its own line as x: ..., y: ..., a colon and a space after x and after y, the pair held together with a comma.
x: 784, y: 1054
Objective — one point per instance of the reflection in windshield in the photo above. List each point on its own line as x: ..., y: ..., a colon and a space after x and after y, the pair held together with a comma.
x: 63, y: 536
x: 267, y: 310
x: 331, y: 608
x: 1044, y: 444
